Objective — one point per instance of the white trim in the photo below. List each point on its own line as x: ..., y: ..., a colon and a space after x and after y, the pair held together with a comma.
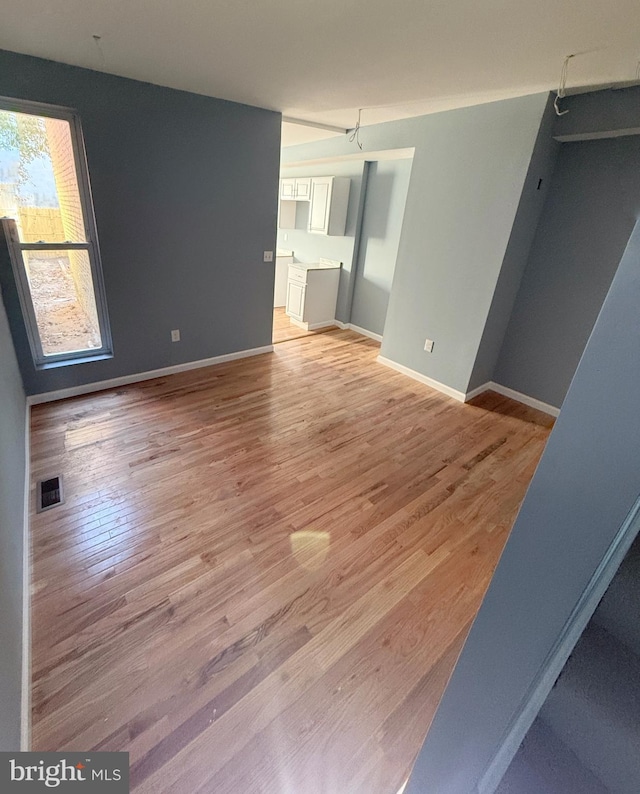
x: 441, y: 387
x: 597, y: 136
x: 364, y: 332
x: 378, y: 155
x: 465, y: 396
x: 521, y: 398
x: 314, y: 326
x: 315, y: 124
x: 25, y: 695
x: 475, y: 392
x: 559, y: 653
x: 87, y: 388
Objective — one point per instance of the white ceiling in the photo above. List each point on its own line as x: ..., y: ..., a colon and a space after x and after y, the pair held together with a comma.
x: 323, y: 60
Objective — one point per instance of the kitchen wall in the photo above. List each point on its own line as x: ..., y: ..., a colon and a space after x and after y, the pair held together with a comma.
x: 466, y: 182
x: 185, y: 193
x: 309, y: 247
x: 383, y: 212
x: 13, y: 410
x: 592, y: 206
x: 583, y: 489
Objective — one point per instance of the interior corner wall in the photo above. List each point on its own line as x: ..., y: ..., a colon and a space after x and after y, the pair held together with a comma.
x: 467, y: 178
x: 13, y: 414
x: 534, y: 193
x: 591, y: 209
x: 185, y: 194
x: 583, y: 489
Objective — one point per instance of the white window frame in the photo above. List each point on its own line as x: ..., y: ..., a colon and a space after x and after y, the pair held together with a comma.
x: 16, y: 248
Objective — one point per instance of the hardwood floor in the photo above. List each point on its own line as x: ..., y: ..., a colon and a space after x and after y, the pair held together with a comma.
x: 263, y: 571
x: 284, y: 330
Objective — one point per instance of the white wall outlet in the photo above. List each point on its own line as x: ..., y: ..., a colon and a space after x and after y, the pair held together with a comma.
x: 428, y: 345
x: 285, y: 236
x: 268, y: 256
x: 175, y: 335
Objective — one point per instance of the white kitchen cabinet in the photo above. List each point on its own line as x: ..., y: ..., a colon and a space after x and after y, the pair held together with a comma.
x: 329, y: 203
x: 295, y: 189
x: 312, y: 291
x: 303, y: 189
x: 288, y: 189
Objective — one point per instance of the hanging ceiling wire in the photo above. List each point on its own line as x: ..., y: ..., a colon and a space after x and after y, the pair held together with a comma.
x: 561, y: 93
x: 355, y: 135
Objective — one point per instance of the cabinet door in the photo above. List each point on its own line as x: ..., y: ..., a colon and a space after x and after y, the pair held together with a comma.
x: 319, y: 209
x: 288, y: 189
x: 303, y: 189
x: 295, y: 300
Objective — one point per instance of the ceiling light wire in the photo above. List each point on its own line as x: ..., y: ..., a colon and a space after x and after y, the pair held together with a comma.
x: 355, y: 135
x: 561, y: 93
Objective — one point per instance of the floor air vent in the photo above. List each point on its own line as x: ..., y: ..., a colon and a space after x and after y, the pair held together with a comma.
x: 49, y: 493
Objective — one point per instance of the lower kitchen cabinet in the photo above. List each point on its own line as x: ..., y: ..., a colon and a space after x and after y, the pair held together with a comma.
x: 312, y: 291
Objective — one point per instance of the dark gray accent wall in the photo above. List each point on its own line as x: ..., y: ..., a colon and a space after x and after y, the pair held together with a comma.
x: 600, y: 114
x: 13, y: 408
x: 534, y: 193
x: 593, y: 203
x: 468, y: 173
x: 185, y: 193
x: 310, y: 247
x: 584, y: 487
x: 387, y: 184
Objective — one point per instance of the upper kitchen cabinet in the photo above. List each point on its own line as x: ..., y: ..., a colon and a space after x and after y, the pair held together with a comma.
x: 295, y: 189
x: 329, y: 202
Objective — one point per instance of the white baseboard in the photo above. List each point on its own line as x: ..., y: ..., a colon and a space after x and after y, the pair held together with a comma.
x: 519, y: 397
x: 434, y: 384
x: 475, y: 392
x: 317, y: 326
x: 25, y: 695
x: 551, y: 668
x: 88, y: 388
x: 466, y: 396
x: 364, y: 332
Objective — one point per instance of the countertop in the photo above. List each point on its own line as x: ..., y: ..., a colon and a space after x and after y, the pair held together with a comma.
x: 323, y: 264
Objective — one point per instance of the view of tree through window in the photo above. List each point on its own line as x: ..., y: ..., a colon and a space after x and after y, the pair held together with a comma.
x: 39, y: 190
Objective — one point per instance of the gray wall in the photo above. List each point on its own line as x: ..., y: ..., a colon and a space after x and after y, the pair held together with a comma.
x: 592, y: 206
x: 13, y: 409
x: 534, y: 194
x: 466, y: 182
x: 585, y: 485
x: 387, y: 185
x: 600, y: 113
x: 185, y: 193
x: 308, y: 247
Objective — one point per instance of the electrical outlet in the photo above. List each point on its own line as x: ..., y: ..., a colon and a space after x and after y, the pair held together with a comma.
x: 175, y: 335
x: 428, y: 345
x: 268, y: 256
x: 286, y: 237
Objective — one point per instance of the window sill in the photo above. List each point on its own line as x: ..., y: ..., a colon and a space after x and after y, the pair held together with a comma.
x: 67, y: 362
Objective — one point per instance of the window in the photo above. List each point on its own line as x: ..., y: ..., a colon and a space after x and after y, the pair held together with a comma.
x: 44, y: 189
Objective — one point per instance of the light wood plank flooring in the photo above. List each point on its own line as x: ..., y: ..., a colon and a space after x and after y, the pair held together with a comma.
x: 284, y: 330
x: 264, y: 571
